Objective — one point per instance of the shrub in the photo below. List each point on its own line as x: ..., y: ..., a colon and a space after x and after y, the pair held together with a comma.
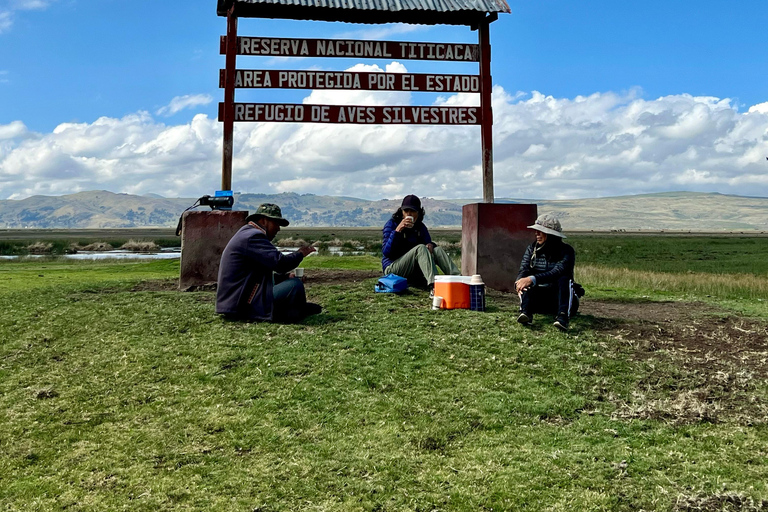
x: 140, y: 246
x: 97, y: 246
x: 40, y: 248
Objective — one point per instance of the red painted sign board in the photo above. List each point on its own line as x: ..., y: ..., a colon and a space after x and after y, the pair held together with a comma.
x: 363, y: 81
x: 352, y: 114
x: 349, y: 48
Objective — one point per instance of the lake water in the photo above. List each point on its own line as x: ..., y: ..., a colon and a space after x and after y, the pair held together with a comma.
x: 166, y: 254
x: 170, y: 254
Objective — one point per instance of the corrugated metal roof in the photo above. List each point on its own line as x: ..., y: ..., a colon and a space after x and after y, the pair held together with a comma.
x: 454, y: 12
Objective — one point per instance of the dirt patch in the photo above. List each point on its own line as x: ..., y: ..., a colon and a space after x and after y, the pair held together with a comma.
x: 157, y: 285
x: 645, y: 311
x: 710, y: 339
x: 720, y: 503
x: 702, y: 364
x: 314, y: 276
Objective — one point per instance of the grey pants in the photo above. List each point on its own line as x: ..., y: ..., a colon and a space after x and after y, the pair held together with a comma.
x: 418, y: 265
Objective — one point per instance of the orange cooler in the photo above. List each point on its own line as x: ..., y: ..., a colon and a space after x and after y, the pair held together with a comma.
x: 454, y: 290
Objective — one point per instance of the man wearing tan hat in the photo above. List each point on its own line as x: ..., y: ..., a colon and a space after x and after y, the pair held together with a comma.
x: 249, y: 287
x: 545, y: 281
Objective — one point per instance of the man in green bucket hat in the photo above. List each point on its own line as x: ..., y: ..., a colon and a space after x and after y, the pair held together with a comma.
x: 252, y: 274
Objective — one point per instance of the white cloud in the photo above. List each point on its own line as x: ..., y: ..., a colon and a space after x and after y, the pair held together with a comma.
x: 544, y: 147
x: 6, y: 20
x: 13, y: 130
x: 179, y: 103
x: 29, y: 5
x: 7, y: 13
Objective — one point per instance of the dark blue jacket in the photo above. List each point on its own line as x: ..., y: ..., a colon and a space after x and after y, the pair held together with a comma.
x: 554, y: 260
x: 394, y: 245
x: 245, y: 274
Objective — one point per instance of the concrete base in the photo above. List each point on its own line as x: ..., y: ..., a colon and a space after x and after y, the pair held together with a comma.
x: 203, y: 238
x: 493, y: 241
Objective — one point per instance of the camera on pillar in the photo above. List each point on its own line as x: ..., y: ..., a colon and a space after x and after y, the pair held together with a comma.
x: 222, y: 200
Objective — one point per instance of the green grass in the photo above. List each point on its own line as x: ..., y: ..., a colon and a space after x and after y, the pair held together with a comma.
x: 115, y: 399
x: 672, y: 254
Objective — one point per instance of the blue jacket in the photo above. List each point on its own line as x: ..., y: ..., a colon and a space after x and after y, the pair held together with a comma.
x: 394, y: 245
x: 245, y: 274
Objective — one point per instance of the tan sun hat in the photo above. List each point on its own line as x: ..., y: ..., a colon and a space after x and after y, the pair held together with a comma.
x: 548, y: 223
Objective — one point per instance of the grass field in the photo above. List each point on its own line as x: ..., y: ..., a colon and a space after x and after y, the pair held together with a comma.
x: 119, y: 393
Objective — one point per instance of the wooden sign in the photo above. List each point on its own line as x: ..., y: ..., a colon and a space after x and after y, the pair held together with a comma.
x: 364, y: 81
x: 351, y: 114
x: 349, y: 48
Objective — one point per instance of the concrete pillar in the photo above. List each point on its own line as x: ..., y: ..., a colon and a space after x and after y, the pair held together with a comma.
x: 204, y: 234
x: 493, y: 241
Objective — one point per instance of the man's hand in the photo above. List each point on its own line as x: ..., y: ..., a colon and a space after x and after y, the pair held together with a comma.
x: 431, y: 247
x: 406, y: 223
x: 523, y: 284
x: 306, y: 250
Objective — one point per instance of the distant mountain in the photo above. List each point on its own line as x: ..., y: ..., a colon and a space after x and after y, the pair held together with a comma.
x: 670, y: 211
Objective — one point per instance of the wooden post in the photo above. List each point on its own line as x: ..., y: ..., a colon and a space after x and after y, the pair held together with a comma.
x: 486, y: 85
x: 229, y: 99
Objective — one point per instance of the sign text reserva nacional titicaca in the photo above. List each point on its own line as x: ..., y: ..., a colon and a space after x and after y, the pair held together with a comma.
x: 283, y: 47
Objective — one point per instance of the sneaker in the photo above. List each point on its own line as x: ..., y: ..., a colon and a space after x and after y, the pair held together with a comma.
x: 525, y: 318
x: 561, y: 322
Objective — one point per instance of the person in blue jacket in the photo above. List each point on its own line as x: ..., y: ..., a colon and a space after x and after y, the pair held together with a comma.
x: 253, y: 284
x: 545, y: 281
x: 408, y: 249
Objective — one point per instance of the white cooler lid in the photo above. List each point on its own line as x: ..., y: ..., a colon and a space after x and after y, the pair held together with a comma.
x: 452, y: 279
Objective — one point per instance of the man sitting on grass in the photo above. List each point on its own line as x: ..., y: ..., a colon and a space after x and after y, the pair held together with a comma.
x: 545, y: 281
x: 408, y: 249
x: 252, y: 284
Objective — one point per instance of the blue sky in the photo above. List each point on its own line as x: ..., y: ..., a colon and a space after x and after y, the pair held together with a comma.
x: 64, y: 65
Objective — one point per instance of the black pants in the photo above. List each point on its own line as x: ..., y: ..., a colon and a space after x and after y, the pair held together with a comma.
x: 556, y: 298
x: 290, y: 301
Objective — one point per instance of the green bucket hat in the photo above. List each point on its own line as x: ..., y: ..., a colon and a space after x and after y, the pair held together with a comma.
x: 271, y: 211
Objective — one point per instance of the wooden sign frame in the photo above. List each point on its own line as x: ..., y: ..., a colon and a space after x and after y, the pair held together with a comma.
x: 230, y: 112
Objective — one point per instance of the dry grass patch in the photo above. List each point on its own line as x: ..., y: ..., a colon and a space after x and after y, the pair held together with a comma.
x: 40, y: 248
x: 97, y: 246
x: 140, y: 246
x: 697, y: 283
x: 291, y: 242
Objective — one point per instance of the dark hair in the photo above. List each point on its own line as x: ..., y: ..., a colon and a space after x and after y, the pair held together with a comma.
x: 398, y: 215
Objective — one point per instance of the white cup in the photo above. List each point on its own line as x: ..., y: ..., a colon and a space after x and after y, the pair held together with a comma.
x: 299, y: 272
x: 437, y: 302
x: 476, y: 279
x: 410, y: 218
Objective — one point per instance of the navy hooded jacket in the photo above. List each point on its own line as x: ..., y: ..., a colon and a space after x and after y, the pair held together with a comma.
x: 394, y: 245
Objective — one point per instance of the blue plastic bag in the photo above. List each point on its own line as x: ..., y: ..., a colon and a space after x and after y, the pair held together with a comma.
x: 391, y: 283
